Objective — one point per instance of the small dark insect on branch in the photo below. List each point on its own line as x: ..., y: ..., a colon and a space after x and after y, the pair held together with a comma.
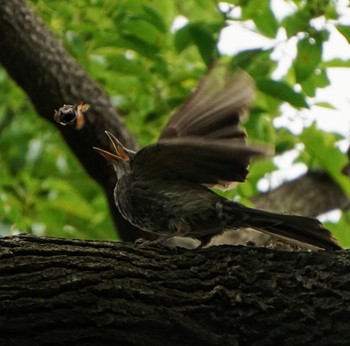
x: 71, y: 115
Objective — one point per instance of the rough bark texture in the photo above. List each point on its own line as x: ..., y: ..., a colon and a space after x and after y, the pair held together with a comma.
x: 56, y: 291
x: 37, y: 61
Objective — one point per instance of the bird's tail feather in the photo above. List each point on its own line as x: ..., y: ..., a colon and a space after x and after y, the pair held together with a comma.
x: 298, y: 229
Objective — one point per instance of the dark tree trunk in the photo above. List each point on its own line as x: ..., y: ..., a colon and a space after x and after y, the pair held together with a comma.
x: 60, y: 292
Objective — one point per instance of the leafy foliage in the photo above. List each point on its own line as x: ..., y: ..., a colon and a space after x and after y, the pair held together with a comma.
x: 148, y: 55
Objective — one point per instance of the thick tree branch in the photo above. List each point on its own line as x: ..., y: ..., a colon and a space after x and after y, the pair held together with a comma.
x: 312, y: 194
x: 56, y: 291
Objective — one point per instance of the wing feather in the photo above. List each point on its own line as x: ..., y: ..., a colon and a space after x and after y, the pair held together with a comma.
x: 201, y: 160
x: 215, y: 108
x: 203, y: 141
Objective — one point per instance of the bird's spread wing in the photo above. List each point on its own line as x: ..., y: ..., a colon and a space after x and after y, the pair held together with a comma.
x: 215, y: 108
x: 209, y: 162
x: 203, y: 141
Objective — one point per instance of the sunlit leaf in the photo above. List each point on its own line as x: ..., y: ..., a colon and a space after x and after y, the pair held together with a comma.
x: 337, y: 63
x: 319, y: 80
x: 344, y: 30
x: 297, y: 22
x: 308, y: 57
x: 256, y: 62
x: 321, y: 146
x: 285, y: 140
x: 182, y: 39
x: 282, y: 91
x: 155, y: 18
x: 260, y: 12
x: 201, y: 36
x: 326, y: 105
x: 340, y: 230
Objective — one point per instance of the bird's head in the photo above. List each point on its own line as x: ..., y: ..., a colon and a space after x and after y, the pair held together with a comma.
x: 120, y: 159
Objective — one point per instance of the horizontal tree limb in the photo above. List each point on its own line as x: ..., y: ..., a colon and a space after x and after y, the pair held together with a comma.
x: 311, y: 194
x: 56, y: 291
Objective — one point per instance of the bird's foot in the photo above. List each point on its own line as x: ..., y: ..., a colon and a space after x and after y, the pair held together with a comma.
x: 173, y: 242
x: 182, y: 242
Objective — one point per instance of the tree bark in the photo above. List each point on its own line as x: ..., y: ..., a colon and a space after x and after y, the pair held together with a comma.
x: 55, y: 291
x: 312, y: 194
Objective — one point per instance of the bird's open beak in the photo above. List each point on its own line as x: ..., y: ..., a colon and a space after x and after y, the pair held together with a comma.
x: 107, y: 155
x: 120, y: 153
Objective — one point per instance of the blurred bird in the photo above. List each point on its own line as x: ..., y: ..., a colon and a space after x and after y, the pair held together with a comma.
x: 165, y: 187
x: 72, y: 115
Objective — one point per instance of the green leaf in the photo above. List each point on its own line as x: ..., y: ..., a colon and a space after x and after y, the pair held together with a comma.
x: 336, y: 63
x: 308, y: 57
x: 141, y: 29
x: 344, y: 30
x: 297, y: 22
x: 67, y: 199
x: 325, y: 105
x: 182, y: 39
x: 260, y: 12
x: 285, y: 140
x: 255, y: 61
x: 321, y: 146
x: 259, y: 126
x: 282, y: 91
x: 204, y: 39
x: 201, y: 36
x: 265, y: 19
x: 318, y: 80
x: 244, y: 58
x: 340, y: 230
x: 155, y: 18
x: 134, y: 43
x: 259, y: 168
x: 120, y: 63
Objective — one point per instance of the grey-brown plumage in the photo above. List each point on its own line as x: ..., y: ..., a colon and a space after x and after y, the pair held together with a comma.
x: 164, y: 188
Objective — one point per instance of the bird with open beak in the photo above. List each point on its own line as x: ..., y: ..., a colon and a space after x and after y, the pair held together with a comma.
x: 165, y: 188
